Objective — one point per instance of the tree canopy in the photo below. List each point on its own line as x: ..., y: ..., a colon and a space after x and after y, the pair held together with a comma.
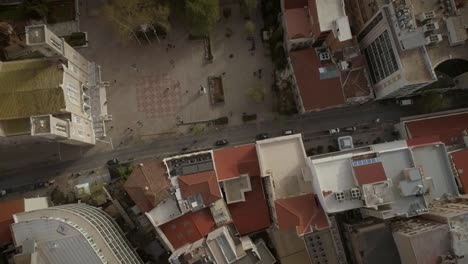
x: 129, y: 15
x: 202, y: 16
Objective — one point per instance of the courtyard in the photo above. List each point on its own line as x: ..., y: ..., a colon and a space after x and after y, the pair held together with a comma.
x: 155, y: 89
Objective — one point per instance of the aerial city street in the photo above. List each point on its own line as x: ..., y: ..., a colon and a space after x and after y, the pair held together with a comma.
x: 234, y: 131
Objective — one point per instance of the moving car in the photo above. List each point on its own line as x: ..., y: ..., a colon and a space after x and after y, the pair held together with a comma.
x: 288, y: 132
x: 221, y: 142
x: 261, y: 136
x: 334, y: 131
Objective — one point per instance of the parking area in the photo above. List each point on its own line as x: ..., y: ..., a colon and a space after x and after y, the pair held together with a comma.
x: 155, y: 88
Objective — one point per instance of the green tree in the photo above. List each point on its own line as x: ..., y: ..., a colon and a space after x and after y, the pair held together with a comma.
x: 251, y: 5
x: 35, y: 9
x: 250, y: 28
x: 129, y: 16
x: 256, y: 92
x: 201, y: 16
x: 432, y: 102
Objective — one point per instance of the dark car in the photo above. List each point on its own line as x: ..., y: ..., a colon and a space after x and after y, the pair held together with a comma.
x: 221, y: 142
x: 261, y: 136
x: 113, y: 162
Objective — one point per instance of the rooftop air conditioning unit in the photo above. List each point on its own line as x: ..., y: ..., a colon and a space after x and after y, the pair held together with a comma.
x: 340, y: 196
x: 434, y: 39
x: 430, y: 27
x: 426, y: 15
x: 324, y: 56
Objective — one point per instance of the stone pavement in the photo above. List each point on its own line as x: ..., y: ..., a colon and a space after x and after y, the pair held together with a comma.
x: 154, y: 87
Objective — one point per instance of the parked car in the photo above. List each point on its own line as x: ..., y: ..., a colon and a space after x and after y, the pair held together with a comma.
x: 404, y: 102
x: 3, y: 193
x: 333, y: 131
x: 221, y: 142
x: 261, y: 136
x: 350, y: 129
x: 288, y: 132
x: 113, y: 162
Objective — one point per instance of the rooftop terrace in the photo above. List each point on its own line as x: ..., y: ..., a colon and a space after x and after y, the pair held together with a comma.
x: 284, y: 160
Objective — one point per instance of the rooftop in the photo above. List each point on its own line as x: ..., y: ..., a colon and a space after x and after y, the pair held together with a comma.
x: 334, y: 174
x: 460, y: 160
x: 298, y: 23
x: 148, y: 184
x: 30, y: 87
x: 331, y: 14
x: 284, y: 160
x: 319, y: 83
x: 448, y: 127
x: 189, y: 227
x: 303, y: 213
x: 253, y: 214
x: 8, y: 209
x: 202, y: 183
x: 232, y: 162
x: 369, y: 173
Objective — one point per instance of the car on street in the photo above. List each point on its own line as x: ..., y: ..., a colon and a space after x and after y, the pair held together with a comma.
x: 261, y: 136
x: 113, y: 162
x: 350, y: 129
x: 405, y: 102
x: 288, y: 132
x: 221, y: 142
x: 333, y: 131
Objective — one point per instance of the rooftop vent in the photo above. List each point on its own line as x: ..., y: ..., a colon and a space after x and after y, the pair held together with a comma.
x: 434, y: 39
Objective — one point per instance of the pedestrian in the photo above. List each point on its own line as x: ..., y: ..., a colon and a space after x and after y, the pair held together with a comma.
x: 186, y: 91
x: 115, y: 81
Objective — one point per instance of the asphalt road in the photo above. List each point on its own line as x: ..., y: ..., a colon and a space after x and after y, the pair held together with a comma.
x: 310, y: 125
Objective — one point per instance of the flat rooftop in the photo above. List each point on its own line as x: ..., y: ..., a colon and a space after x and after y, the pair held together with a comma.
x: 297, y: 23
x: 328, y: 12
x: 447, y: 126
x: 415, y: 66
x: 319, y: 84
x: 285, y: 161
x: 443, y: 50
x: 335, y: 174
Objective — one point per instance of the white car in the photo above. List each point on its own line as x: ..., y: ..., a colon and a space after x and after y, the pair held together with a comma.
x: 334, y: 131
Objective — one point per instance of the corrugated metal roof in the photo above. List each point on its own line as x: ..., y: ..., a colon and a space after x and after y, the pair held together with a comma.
x: 29, y: 88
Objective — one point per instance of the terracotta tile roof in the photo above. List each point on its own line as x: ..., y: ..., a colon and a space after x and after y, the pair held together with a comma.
x: 422, y: 141
x: 204, y: 183
x: 449, y: 128
x: 302, y: 212
x: 369, y: 173
x: 315, y: 93
x: 189, y: 227
x: 460, y: 159
x: 253, y: 214
x: 355, y: 81
x: 291, y: 4
x: 297, y: 23
x: 7, y: 210
x: 232, y: 162
x: 148, y: 184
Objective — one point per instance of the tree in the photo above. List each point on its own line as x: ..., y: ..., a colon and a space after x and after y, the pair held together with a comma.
x: 256, y: 92
x: 432, y: 102
x: 202, y: 16
x: 8, y: 36
x: 251, y: 5
x: 250, y: 28
x: 35, y: 9
x: 129, y: 16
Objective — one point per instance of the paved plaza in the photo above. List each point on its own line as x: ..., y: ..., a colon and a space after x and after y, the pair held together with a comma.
x: 155, y: 88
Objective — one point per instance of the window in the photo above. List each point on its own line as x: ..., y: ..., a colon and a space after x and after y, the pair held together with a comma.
x: 73, y: 94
